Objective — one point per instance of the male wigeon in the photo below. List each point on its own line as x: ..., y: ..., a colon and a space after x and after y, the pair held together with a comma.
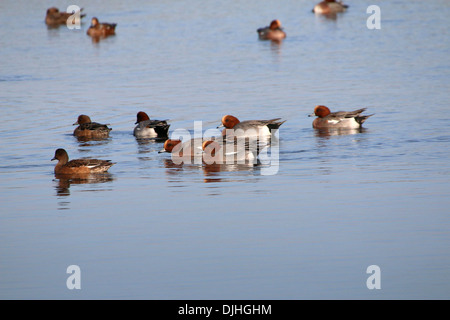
x: 79, y: 166
x: 186, y: 152
x: 54, y: 18
x: 230, y: 151
x: 272, y: 32
x: 101, y: 30
x: 88, y: 129
x: 249, y: 128
x: 189, y: 148
x: 329, y: 7
x: 340, y: 119
x: 147, y: 128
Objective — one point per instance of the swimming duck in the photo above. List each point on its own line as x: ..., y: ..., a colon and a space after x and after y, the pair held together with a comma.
x: 88, y: 129
x: 339, y: 119
x: 272, y: 32
x: 249, y: 128
x: 189, y: 148
x: 230, y: 151
x: 328, y: 7
x: 101, y: 30
x: 147, y: 128
x: 55, y: 18
x: 187, y: 152
x: 79, y: 166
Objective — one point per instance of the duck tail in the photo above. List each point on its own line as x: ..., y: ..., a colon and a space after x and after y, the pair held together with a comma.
x: 162, y: 130
x: 275, y: 124
x: 362, y: 119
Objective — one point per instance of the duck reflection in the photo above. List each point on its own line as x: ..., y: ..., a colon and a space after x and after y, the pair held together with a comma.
x: 149, y: 145
x: 94, y: 141
x: 63, y: 182
x: 275, y: 47
x: 328, y: 132
x: 169, y: 164
x: 97, y: 39
x: 212, y: 172
x: 328, y: 16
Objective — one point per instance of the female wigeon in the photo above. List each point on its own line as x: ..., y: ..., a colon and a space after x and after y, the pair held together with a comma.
x: 230, y: 151
x: 249, y: 128
x: 147, y: 128
x: 101, y: 30
x: 88, y: 129
x: 54, y: 18
x: 79, y: 166
x: 272, y: 32
x: 340, y: 119
x: 329, y: 7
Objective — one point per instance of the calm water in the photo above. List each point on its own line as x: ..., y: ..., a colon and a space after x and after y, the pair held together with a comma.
x: 152, y: 230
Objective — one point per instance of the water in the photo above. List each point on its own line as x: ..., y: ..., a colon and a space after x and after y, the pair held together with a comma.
x: 152, y: 230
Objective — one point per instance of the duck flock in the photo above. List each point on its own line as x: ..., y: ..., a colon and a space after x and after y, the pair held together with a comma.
x: 240, y: 141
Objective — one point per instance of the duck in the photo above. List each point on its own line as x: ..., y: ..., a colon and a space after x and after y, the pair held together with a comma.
x: 79, y: 166
x: 55, y: 18
x: 230, y: 151
x: 147, y: 128
x: 272, y: 32
x: 186, y: 152
x: 249, y: 128
x: 329, y: 7
x: 101, y: 30
x: 189, y: 148
x: 339, y: 119
x: 88, y: 129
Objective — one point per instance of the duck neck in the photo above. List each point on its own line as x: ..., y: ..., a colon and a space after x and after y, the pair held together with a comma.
x: 62, y: 160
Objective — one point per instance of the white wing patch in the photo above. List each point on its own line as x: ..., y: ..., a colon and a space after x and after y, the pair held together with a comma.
x: 350, y: 123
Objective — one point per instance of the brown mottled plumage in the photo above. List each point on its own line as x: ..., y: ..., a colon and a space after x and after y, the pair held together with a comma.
x: 79, y: 166
x: 101, y: 30
x: 88, y: 129
x: 56, y: 18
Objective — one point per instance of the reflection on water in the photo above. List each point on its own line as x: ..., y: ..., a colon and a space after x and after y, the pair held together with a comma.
x: 327, y: 132
x: 148, y: 141
x: 87, y: 142
x: 63, y: 183
x: 169, y: 164
x: 148, y: 148
x: 329, y: 16
x: 97, y: 40
x: 212, y: 172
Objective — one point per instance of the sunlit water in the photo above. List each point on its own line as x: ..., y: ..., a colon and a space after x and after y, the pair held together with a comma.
x: 153, y: 230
